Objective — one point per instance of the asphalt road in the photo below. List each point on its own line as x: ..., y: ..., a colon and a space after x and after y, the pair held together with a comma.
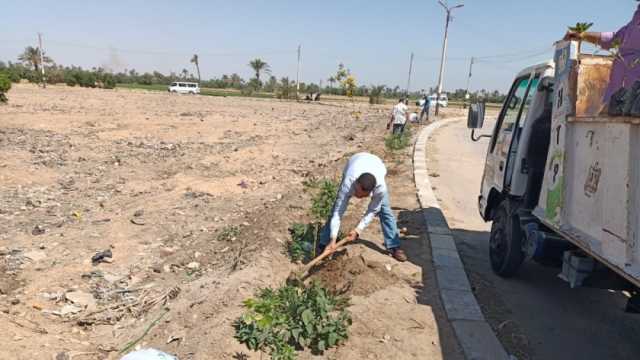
x: 535, y: 315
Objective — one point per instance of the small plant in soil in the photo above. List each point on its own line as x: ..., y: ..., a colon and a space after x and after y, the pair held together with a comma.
x: 289, y: 319
x: 303, y: 243
x: 5, y: 85
x: 396, y: 142
x: 322, y: 200
x: 229, y: 233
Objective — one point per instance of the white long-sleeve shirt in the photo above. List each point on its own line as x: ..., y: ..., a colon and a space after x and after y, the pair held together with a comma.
x: 359, y: 164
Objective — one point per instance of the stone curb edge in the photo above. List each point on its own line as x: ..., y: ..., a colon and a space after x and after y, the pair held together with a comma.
x: 475, y: 336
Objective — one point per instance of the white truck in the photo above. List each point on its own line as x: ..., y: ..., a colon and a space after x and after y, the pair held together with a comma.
x: 561, y: 182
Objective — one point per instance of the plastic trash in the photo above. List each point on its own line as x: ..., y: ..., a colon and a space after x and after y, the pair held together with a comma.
x: 148, y: 354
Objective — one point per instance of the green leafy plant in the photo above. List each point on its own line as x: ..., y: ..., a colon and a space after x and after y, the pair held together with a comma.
x: 580, y: 28
x: 292, y: 318
x: 229, y: 233
x: 303, y: 243
x: 396, y: 142
x: 322, y: 201
x: 5, y: 85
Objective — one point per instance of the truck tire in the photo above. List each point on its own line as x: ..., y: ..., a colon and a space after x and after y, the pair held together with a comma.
x: 505, y: 241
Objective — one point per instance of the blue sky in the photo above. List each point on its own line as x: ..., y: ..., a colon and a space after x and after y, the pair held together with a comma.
x: 373, y: 38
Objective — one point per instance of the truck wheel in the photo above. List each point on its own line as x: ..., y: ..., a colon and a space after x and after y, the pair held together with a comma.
x: 505, y: 242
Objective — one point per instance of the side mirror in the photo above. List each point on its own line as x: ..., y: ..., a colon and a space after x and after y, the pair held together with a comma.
x: 475, y: 119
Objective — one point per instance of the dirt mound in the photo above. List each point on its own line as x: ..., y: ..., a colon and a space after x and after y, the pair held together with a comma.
x: 353, y: 275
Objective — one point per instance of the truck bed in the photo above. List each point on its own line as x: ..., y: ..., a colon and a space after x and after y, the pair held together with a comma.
x: 591, y: 188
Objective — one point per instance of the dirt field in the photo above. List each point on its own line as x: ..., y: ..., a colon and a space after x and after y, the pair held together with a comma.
x: 193, y: 196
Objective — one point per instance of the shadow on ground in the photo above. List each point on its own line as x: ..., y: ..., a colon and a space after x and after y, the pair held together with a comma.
x: 416, y: 244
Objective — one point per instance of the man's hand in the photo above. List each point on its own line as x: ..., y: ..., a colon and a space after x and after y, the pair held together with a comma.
x: 573, y: 35
x: 352, y: 235
x: 331, y: 247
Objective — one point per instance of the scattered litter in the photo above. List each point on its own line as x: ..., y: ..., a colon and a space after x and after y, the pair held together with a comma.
x: 137, y: 221
x: 193, y: 265
x: 173, y: 338
x: 38, y: 230
x: 148, y: 354
x: 243, y: 184
x: 138, y: 213
x: 81, y: 298
x: 102, y: 256
x: 100, y: 221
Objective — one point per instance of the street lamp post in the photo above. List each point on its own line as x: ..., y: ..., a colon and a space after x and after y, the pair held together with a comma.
x: 444, y: 50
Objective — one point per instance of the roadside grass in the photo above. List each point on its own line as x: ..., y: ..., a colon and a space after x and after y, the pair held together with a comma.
x: 395, y: 142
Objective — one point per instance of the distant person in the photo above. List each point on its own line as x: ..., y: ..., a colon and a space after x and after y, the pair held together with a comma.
x: 399, y: 117
x: 363, y: 176
x: 425, y: 107
x: 626, y: 70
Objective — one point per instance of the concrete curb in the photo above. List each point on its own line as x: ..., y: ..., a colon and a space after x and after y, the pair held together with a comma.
x: 474, y: 334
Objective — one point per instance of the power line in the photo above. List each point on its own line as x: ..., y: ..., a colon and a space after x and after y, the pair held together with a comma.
x: 162, y: 52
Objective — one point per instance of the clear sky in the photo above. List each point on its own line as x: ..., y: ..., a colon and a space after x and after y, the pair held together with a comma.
x: 373, y: 38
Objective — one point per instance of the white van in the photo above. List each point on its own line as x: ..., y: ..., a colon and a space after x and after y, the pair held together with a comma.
x: 184, y: 87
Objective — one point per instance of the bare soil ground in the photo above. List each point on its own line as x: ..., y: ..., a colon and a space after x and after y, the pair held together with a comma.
x: 193, y: 196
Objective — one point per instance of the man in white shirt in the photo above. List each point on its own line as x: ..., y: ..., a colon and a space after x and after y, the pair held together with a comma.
x: 399, y: 117
x: 363, y: 176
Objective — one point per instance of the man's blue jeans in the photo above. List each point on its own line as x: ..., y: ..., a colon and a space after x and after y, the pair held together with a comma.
x: 387, y: 222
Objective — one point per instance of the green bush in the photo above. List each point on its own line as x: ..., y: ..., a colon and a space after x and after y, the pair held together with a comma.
x: 70, y: 78
x: 322, y: 201
x: 398, y: 141
x: 289, y: 318
x: 303, y: 243
x: 5, y: 85
x: 108, y: 81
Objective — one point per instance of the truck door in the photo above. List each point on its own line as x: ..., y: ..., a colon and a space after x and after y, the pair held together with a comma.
x: 498, y: 151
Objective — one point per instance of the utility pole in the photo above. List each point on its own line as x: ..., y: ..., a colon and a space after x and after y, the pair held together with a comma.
x: 466, y: 94
x: 409, y: 79
x: 44, y: 79
x: 444, y: 50
x: 298, y: 74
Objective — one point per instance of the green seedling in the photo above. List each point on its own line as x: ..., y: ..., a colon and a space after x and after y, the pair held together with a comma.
x: 292, y: 318
x: 229, y: 233
x: 322, y: 201
x: 395, y: 142
x: 580, y: 28
x: 303, y: 243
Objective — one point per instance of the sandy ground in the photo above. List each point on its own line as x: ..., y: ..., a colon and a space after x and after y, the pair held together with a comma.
x: 535, y: 314
x: 158, y: 179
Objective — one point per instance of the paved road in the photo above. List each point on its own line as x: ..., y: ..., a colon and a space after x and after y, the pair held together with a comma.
x: 536, y: 315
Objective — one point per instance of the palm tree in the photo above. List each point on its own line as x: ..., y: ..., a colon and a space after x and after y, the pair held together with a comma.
x: 194, y: 60
x: 184, y: 74
x: 331, y: 80
x: 258, y: 65
x: 31, y: 57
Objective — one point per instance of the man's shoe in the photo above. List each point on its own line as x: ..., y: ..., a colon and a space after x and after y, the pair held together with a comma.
x: 398, y: 254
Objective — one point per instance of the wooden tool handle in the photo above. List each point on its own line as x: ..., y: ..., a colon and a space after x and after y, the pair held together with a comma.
x: 315, y: 261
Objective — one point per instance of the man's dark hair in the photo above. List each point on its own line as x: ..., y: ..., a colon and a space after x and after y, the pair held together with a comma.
x: 401, y: 100
x: 367, y: 182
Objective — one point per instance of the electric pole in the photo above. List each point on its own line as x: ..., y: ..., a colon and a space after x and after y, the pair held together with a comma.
x: 409, y: 79
x: 466, y: 95
x: 298, y: 75
x: 44, y: 79
x: 444, y: 50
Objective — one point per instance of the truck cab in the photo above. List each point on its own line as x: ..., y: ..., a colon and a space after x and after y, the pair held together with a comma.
x: 515, y: 161
x: 561, y: 181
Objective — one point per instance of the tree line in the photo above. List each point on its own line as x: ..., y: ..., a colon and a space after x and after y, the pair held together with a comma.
x: 343, y: 82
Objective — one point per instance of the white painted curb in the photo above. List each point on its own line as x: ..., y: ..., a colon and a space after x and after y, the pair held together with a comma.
x: 474, y: 334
